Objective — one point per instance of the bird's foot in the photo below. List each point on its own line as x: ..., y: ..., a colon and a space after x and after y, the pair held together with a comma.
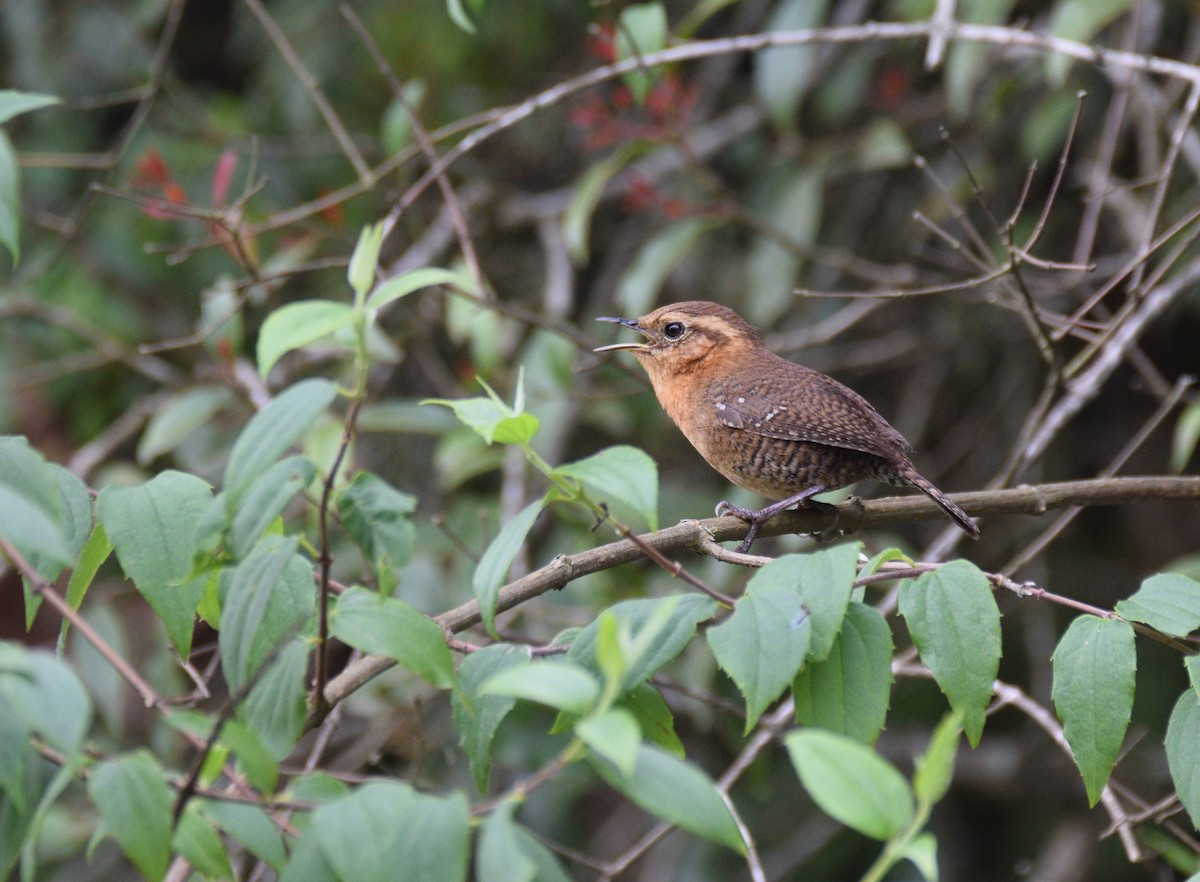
x: 757, y: 517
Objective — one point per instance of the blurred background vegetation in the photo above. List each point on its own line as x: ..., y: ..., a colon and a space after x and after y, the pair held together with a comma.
x: 858, y: 206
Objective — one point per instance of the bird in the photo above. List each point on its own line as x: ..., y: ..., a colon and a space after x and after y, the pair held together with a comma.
x: 769, y: 425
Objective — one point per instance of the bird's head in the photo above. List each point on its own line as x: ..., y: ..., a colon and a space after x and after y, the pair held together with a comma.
x: 684, y: 337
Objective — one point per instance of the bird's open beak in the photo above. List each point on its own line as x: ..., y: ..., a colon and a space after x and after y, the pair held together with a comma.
x: 629, y: 323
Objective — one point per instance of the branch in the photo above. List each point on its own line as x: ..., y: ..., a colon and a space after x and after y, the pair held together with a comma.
x: 854, y: 515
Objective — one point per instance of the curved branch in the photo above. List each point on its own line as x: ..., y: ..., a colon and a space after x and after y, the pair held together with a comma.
x: 852, y: 515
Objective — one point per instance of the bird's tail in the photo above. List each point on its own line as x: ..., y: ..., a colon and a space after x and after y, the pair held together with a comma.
x: 956, y: 514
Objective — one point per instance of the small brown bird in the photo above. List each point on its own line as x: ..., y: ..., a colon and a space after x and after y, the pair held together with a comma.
x: 767, y: 424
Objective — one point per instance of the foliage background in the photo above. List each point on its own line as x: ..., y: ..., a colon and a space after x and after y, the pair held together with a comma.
x: 188, y: 184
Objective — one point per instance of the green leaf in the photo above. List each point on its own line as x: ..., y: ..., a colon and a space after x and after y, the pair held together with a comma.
x: 935, y: 767
x: 264, y: 600
x: 577, y: 219
x: 477, y: 716
x: 676, y: 791
x: 782, y: 76
x: 640, y: 284
x: 41, y: 512
x: 134, y: 802
x: 198, y: 843
x: 152, y: 528
x: 848, y: 692
x: 796, y: 202
x: 493, y: 567
x: 30, y: 529
x: 922, y: 852
x: 1094, y: 667
x: 384, y: 826
x: 654, y: 718
x: 414, y: 280
x: 95, y: 552
x: 491, y: 419
x: 272, y: 431
x: 377, y: 518
x: 826, y: 579
x: 275, y: 710
x: 14, y: 103
x: 674, y: 634
x: 265, y: 500
x: 1183, y: 753
x: 307, y: 863
x: 1079, y: 20
x: 558, y: 684
x: 851, y: 783
x: 641, y: 29
x: 766, y: 640
x: 623, y: 474
x: 1185, y: 438
x: 396, y: 128
x: 457, y: 11
x: 45, y: 696
x: 297, y: 325
x: 508, y: 853
x: 1192, y: 664
x: 178, y: 417
x: 260, y: 767
x: 361, y: 272
x: 1168, y: 602
x: 955, y: 625
x: 387, y: 626
x: 10, y: 199
x: 250, y: 826
x: 614, y: 735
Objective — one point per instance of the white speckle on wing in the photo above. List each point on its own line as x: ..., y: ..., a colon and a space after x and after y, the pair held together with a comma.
x: 741, y: 400
x: 720, y: 405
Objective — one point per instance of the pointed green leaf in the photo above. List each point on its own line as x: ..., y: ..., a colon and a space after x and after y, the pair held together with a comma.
x: 10, y: 198
x: 557, y: 684
x: 197, y: 842
x: 478, y: 716
x: 361, y: 271
x: 766, y: 640
x: 577, y: 219
x: 388, y: 626
x: 620, y: 474
x: 152, y: 528
x: 377, y: 517
x: 677, y: 791
x: 250, y: 826
x: 851, y: 783
x: 1168, y: 602
x: 955, y: 625
x: 493, y: 566
x: 848, y: 692
x: 258, y: 764
x: 45, y: 696
x: 384, y: 826
x: 634, y: 615
x: 178, y: 417
x: 1094, y: 667
x: 275, y: 708
x: 14, y: 103
x: 272, y: 431
x: 642, y: 29
x: 414, y: 280
x: 30, y: 529
x: 95, y: 552
x: 265, y: 500
x: 1183, y: 753
x: 782, y: 76
x: 935, y: 767
x: 135, y: 805
x: 297, y: 325
x: 266, y: 599
x: 614, y: 735
x: 509, y: 853
x: 640, y: 284
x: 654, y: 718
x: 826, y: 579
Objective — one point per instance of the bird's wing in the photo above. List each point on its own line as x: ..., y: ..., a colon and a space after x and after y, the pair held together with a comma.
x: 796, y: 403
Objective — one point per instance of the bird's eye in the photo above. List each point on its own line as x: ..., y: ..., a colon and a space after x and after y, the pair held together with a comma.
x: 673, y: 330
